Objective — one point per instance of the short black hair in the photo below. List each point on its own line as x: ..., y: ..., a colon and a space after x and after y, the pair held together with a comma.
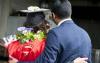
x: 61, y: 9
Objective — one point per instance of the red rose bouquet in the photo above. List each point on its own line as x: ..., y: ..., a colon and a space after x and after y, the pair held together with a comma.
x: 25, y: 45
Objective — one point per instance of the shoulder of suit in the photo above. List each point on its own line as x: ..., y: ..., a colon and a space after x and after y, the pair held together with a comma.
x: 54, y: 29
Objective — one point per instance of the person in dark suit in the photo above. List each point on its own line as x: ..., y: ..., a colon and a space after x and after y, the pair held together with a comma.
x: 67, y: 41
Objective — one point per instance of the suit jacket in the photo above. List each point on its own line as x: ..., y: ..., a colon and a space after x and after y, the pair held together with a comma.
x: 65, y: 43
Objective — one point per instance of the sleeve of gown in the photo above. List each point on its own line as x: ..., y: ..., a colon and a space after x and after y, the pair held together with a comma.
x: 52, y: 48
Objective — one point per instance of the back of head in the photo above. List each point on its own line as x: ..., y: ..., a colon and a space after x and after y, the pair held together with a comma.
x: 34, y: 19
x: 61, y: 8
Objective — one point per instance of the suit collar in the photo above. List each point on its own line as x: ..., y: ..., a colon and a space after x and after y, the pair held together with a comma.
x: 62, y: 21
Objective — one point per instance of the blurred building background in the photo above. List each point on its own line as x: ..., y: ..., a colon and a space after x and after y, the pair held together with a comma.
x: 86, y: 13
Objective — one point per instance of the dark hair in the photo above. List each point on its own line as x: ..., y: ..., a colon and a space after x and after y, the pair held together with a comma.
x: 61, y: 9
x: 36, y: 20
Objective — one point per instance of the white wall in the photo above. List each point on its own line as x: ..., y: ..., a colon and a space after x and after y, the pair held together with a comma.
x: 4, y: 13
x: 13, y: 23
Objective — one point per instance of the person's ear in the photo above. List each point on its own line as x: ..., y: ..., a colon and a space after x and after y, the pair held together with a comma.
x: 55, y: 16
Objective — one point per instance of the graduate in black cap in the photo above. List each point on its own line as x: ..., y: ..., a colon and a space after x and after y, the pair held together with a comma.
x: 36, y: 19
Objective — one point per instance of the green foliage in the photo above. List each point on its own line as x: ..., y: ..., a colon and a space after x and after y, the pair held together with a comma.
x: 24, y: 37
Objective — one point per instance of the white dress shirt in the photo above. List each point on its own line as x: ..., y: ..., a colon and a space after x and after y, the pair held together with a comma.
x: 63, y: 21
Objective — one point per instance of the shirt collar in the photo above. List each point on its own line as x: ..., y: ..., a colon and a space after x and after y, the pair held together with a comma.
x: 63, y: 21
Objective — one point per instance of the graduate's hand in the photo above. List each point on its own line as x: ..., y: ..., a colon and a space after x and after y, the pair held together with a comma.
x: 80, y: 60
x: 12, y: 61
